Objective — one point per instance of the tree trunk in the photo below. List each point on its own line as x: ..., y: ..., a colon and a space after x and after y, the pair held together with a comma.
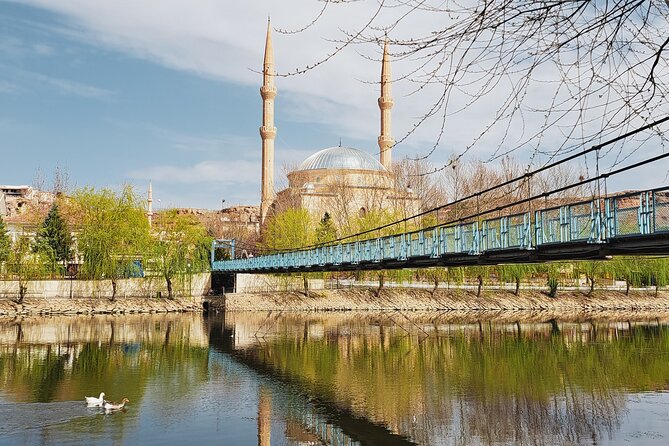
x: 23, y: 288
x: 168, y: 280
x: 113, y: 296
x: 517, y: 292
x: 592, y: 284
x: 19, y: 333
x: 555, y: 329
x: 627, y: 287
x: 305, y: 282
x: 436, y: 285
x: 378, y: 291
x: 167, y: 334
x: 480, y: 285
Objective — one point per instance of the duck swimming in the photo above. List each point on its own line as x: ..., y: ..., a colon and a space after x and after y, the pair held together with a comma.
x: 110, y: 405
x: 93, y: 401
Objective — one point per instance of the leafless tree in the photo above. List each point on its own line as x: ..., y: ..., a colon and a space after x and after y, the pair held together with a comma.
x: 410, y: 177
x: 554, y: 75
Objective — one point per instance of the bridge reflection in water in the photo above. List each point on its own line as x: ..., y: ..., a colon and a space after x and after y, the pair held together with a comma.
x: 632, y: 223
x: 342, y: 380
x: 310, y: 418
x: 337, y: 378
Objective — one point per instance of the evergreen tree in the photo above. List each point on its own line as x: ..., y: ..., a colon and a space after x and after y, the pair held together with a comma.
x: 326, y: 231
x: 5, y: 241
x: 53, y: 238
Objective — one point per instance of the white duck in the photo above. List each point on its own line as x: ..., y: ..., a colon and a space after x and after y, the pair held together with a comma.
x: 109, y: 405
x: 95, y: 402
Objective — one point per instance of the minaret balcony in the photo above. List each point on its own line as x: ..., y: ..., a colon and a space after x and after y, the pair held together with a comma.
x: 386, y: 103
x: 267, y: 132
x: 386, y: 141
x: 268, y: 91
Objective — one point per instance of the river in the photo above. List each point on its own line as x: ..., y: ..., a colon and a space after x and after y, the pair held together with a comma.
x: 335, y: 378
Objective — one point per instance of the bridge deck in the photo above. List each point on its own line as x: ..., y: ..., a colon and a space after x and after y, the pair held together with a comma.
x: 630, y: 224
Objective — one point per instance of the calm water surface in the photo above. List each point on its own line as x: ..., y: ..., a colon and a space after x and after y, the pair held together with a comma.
x: 336, y: 379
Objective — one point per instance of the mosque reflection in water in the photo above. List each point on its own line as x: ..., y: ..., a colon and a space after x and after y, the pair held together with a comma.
x: 338, y: 379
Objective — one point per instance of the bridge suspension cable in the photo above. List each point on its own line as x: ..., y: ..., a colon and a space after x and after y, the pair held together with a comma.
x: 525, y: 176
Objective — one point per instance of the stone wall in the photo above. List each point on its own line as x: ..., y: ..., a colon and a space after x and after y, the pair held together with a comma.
x: 65, y: 306
x: 266, y: 283
x: 198, y: 285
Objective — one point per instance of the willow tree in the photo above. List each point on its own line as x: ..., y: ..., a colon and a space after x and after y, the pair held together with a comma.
x: 113, y: 232
x: 180, y: 246
x: 23, y: 265
x: 516, y: 274
x: 289, y: 230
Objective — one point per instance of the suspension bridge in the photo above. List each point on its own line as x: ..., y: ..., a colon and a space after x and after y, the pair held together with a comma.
x: 635, y: 223
x: 627, y: 223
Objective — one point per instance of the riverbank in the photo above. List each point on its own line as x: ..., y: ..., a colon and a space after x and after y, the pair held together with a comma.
x: 122, y: 305
x: 355, y: 299
x: 566, y: 304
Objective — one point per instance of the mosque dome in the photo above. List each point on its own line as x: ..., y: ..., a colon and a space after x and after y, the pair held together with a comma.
x: 341, y: 158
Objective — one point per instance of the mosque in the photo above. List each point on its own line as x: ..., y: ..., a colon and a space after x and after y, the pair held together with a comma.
x: 341, y: 181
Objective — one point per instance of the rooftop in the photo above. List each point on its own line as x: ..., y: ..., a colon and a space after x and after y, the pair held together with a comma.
x: 341, y: 158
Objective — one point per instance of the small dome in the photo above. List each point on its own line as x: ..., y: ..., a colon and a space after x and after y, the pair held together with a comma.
x: 341, y: 158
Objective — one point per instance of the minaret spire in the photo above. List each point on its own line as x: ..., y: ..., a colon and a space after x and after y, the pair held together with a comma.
x: 267, y: 130
x: 386, y: 103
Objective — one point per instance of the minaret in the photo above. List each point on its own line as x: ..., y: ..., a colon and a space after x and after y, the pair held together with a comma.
x: 267, y: 130
x: 386, y: 103
x: 264, y: 417
x: 149, y: 200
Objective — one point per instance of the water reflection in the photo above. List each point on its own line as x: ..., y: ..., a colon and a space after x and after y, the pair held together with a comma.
x: 337, y: 379
x: 433, y: 380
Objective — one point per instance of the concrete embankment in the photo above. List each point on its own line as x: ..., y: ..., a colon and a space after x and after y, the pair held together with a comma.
x: 66, y: 306
x: 566, y: 302
x: 194, y: 285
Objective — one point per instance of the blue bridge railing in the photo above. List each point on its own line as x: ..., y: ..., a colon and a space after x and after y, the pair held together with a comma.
x: 597, y: 221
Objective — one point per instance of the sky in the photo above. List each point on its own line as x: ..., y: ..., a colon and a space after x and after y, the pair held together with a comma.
x: 167, y: 91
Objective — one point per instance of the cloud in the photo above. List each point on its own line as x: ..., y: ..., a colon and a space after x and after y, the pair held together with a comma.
x: 43, y: 49
x: 219, y: 41
x: 9, y: 87
x: 224, y: 41
x: 63, y: 86
x: 212, y: 171
x: 70, y: 87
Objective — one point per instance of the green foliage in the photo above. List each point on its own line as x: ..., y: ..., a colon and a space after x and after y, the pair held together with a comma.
x: 113, y: 232
x: 379, y: 217
x: 23, y: 265
x: 326, y: 231
x: 435, y: 275
x: 552, y: 283
x: 455, y: 274
x: 180, y: 246
x: 5, y: 241
x: 290, y: 229
x: 53, y: 240
x: 593, y: 270
x: 516, y: 274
